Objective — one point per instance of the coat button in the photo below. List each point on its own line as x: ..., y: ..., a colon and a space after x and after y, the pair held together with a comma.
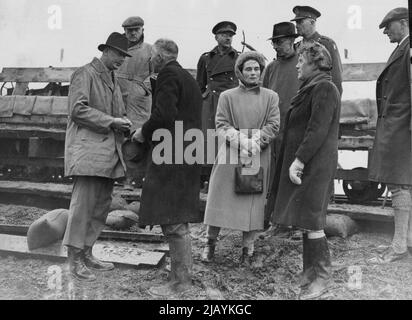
x: 385, y: 97
x: 214, y: 91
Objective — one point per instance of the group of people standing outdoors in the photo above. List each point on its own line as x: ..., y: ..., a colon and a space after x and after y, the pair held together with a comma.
x: 285, y: 114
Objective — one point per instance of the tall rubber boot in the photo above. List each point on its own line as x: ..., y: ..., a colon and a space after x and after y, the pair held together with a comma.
x: 308, y: 273
x: 180, y: 250
x: 77, y: 268
x: 93, y: 263
x: 209, y: 251
x: 320, y: 257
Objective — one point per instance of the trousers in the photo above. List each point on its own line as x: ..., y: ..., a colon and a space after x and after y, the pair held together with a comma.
x: 402, y: 206
x: 89, y: 207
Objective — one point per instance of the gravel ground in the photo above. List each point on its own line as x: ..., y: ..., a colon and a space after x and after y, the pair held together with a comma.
x: 275, y: 278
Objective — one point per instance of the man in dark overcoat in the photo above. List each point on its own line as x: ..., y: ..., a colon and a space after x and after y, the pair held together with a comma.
x: 305, y: 19
x: 93, y: 156
x: 216, y: 72
x: 170, y: 196
x: 391, y: 157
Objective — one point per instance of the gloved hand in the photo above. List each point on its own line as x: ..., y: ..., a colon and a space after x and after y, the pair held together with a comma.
x: 296, y: 171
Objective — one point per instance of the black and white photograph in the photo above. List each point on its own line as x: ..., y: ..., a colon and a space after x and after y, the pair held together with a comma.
x: 208, y: 151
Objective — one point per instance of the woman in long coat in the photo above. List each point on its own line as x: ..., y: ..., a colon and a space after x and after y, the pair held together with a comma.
x: 240, y: 109
x: 308, y: 160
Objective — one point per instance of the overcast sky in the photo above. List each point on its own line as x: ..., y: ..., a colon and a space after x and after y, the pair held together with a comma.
x: 32, y: 34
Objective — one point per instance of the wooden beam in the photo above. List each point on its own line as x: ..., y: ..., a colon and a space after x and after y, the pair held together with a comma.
x: 105, y: 235
x: 120, y: 255
x: 355, y: 143
x: 36, y: 74
x: 362, y: 71
x: 360, y: 212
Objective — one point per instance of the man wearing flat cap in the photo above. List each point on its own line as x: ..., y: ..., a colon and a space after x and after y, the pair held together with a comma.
x: 281, y: 76
x: 134, y: 80
x: 95, y: 132
x: 216, y: 72
x: 391, y: 157
x: 305, y: 19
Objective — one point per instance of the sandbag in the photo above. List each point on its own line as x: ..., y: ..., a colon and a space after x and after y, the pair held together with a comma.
x: 134, y: 206
x: 118, y: 203
x: 47, y: 229
x: 340, y: 226
x: 121, y: 219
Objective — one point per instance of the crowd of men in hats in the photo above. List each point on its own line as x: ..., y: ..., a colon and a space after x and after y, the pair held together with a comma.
x: 116, y: 98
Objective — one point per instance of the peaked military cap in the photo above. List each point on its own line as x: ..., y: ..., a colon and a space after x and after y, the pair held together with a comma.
x: 303, y: 12
x: 224, y: 26
x: 133, y: 22
x: 284, y: 29
x: 393, y: 15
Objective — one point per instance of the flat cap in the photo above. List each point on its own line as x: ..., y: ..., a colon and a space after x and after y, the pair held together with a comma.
x: 393, y: 15
x: 133, y: 22
x: 224, y: 26
x: 303, y: 12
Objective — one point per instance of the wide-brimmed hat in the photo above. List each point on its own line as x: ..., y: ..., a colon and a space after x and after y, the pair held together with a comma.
x: 224, y: 26
x: 303, y: 12
x: 284, y: 29
x: 393, y: 15
x: 116, y: 41
x: 134, y: 151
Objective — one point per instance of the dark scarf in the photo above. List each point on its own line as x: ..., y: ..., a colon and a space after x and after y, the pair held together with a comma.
x: 308, y: 85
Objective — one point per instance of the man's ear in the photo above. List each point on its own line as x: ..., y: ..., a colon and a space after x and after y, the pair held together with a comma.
x: 216, y: 37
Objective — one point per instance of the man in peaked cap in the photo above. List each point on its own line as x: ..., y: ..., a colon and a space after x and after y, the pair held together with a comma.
x: 215, y: 72
x: 305, y: 19
x: 134, y: 80
x: 391, y: 157
x: 93, y: 156
x: 281, y: 76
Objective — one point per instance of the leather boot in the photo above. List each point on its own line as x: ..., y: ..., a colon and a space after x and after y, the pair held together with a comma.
x: 77, y: 268
x: 93, y: 263
x: 320, y: 257
x: 246, y: 258
x: 308, y: 273
x: 209, y: 251
x: 180, y: 250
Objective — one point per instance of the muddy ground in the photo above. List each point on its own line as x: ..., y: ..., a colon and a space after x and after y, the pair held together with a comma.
x: 354, y: 277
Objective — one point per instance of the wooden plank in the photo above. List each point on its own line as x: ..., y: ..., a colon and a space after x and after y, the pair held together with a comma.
x: 355, y: 143
x: 25, y: 131
x: 36, y: 74
x: 361, y: 212
x: 105, y: 235
x: 362, y: 71
x: 117, y: 254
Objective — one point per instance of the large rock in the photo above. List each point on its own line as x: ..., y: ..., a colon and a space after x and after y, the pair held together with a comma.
x: 340, y: 225
x: 121, y: 219
x: 118, y: 203
x: 134, y: 206
x: 47, y: 229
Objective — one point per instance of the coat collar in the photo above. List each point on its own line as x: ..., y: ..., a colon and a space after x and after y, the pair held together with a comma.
x: 314, y: 36
x: 397, y: 53
x: 307, y: 85
x: 98, y: 65
x: 215, y: 50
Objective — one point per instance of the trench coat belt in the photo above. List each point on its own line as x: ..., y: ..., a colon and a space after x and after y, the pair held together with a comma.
x: 132, y: 78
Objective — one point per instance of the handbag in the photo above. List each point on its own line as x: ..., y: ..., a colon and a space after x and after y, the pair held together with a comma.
x: 247, y: 180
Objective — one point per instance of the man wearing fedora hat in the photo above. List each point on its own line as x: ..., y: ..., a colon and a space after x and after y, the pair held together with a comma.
x: 281, y: 76
x: 93, y: 156
x: 391, y: 156
x: 216, y: 72
x: 305, y: 19
x: 134, y: 81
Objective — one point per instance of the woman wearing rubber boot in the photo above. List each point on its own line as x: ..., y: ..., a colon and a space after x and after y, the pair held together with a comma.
x: 308, y: 160
x: 247, y: 121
